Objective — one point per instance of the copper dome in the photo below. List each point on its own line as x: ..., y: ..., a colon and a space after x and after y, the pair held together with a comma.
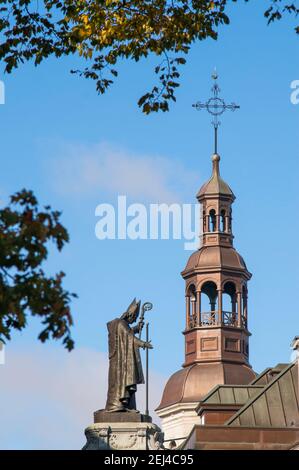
x: 192, y: 383
x: 211, y: 257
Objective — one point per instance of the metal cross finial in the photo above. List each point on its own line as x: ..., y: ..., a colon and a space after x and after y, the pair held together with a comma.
x: 215, y: 106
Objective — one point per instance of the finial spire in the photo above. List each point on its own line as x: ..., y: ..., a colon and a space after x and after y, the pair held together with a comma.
x: 215, y: 106
x: 216, y: 160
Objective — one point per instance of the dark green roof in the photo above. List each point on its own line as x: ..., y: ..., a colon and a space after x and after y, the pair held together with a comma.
x: 231, y: 394
x: 275, y: 405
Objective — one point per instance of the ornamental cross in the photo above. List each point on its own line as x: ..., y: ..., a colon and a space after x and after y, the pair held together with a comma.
x: 215, y: 106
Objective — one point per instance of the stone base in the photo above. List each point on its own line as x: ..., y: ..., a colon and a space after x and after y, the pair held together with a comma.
x: 123, y: 436
x: 103, y: 416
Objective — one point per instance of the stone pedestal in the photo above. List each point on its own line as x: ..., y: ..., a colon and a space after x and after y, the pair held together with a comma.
x: 123, y: 431
x: 123, y: 436
x: 103, y: 416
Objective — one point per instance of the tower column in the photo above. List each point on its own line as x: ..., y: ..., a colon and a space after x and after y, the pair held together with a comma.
x: 239, y: 300
x: 234, y: 309
x: 193, y: 312
x: 220, y: 292
x: 227, y: 224
x: 207, y: 229
x: 198, y: 307
x: 245, y: 313
x: 187, y: 311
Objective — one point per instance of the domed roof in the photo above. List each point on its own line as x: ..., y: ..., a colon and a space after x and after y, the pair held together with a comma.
x: 194, y: 382
x: 208, y: 257
x: 215, y: 185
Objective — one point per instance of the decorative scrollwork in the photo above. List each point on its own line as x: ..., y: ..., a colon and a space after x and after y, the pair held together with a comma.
x: 122, y: 440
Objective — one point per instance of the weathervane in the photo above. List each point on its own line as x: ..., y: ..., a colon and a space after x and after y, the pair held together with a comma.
x: 215, y: 106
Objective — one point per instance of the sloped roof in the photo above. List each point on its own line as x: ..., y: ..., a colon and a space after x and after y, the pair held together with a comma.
x: 215, y: 257
x: 276, y: 405
x: 193, y: 383
x: 215, y: 185
x: 231, y: 394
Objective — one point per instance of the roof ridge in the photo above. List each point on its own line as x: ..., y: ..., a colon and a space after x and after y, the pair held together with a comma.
x: 262, y: 374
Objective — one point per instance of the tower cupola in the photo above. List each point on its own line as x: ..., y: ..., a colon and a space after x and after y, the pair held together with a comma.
x: 216, y: 198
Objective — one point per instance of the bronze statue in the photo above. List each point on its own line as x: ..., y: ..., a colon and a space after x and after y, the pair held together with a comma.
x: 125, y: 368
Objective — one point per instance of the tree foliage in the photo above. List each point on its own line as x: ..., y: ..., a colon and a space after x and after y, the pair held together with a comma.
x: 103, y: 32
x: 279, y: 7
x: 24, y: 287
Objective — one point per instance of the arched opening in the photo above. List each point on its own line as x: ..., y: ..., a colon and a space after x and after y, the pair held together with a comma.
x: 209, y: 308
x: 212, y: 220
x: 223, y: 221
x: 229, y: 304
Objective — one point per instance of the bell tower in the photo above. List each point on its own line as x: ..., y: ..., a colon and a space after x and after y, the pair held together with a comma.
x: 216, y: 313
x: 216, y: 283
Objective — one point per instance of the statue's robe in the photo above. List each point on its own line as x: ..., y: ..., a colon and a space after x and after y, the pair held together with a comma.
x: 125, y: 368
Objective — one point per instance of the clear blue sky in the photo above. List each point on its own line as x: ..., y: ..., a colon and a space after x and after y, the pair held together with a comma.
x: 59, y: 138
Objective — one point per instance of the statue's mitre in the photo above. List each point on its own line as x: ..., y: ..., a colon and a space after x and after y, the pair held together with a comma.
x: 133, y: 307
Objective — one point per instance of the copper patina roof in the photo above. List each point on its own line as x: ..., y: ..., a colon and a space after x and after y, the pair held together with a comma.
x: 193, y: 383
x: 220, y: 257
x: 215, y: 185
